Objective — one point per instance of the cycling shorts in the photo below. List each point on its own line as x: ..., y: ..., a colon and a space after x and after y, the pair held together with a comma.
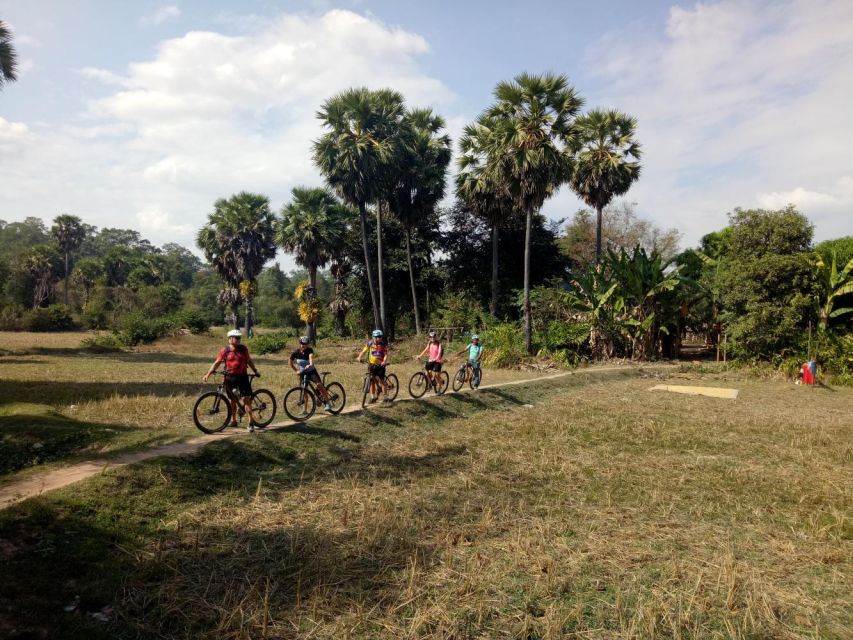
x: 239, y: 381
x: 311, y: 374
x: 377, y: 370
x: 433, y: 366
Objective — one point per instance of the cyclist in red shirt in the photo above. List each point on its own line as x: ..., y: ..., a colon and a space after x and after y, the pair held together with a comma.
x: 237, y: 361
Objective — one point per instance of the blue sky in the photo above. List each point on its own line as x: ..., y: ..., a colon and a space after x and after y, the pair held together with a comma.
x: 141, y: 114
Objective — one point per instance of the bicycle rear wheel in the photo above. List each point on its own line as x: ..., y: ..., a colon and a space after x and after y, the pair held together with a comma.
x: 459, y: 379
x: 263, y: 407
x: 299, y: 404
x: 442, y: 381
x: 418, y: 384
x: 393, y: 385
x: 212, y: 412
x: 337, y: 397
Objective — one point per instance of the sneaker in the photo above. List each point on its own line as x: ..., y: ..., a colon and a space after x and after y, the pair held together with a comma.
x: 373, y: 400
x: 328, y: 407
x: 250, y: 428
x: 386, y: 399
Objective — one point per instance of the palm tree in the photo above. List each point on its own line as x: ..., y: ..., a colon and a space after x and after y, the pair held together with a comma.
x: 355, y: 155
x: 312, y: 225
x: 8, y: 56
x: 420, y: 181
x: 68, y: 232
x: 86, y: 273
x: 531, y: 137
x: 482, y: 198
x: 40, y: 262
x: 603, y: 166
x: 340, y: 304
x: 238, y: 239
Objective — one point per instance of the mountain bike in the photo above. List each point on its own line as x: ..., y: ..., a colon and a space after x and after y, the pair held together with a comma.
x: 391, y: 381
x: 212, y: 409
x: 301, y: 401
x: 467, y: 373
x: 421, y: 381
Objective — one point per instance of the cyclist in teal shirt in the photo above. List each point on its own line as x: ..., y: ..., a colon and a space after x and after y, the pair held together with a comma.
x: 475, y: 355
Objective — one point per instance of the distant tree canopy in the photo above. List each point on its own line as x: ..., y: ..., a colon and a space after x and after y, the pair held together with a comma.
x: 622, y: 228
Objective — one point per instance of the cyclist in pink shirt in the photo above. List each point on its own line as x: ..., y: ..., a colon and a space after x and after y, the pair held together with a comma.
x: 435, y: 357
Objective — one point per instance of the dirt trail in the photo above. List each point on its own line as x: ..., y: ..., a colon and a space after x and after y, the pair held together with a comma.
x: 46, y: 481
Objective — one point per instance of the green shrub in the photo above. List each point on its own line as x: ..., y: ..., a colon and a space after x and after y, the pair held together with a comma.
x: 136, y: 328
x: 190, y: 319
x: 104, y: 343
x: 12, y: 318
x: 270, y: 342
x: 56, y: 317
x: 565, y: 342
x: 504, y: 345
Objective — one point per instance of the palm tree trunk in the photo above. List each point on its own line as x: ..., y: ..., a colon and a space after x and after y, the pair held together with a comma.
x: 235, y: 315
x: 528, y: 324
x: 598, y: 235
x: 412, y: 281
x: 311, y: 327
x: 66, y: 278
x: 370, y: 285
x: 246, y: 319
x: 379, y: 259
x: 493, y: 304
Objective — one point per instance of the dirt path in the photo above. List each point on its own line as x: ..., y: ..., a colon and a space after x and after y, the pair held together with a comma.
x: 56, y: 479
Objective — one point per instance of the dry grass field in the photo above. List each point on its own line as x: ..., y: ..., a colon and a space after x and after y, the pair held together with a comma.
x: 579, y: 507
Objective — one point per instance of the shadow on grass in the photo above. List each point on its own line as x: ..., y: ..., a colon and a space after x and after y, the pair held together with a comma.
x: 103, y: 547
x: 72, y: 392
x: 309, y: 430
x: 32, y: 439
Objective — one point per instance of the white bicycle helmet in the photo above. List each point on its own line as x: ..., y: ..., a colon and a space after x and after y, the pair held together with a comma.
x: 303, y: 340
x: 235, y: 333
x: 377, y: 333
x: 475, y: 337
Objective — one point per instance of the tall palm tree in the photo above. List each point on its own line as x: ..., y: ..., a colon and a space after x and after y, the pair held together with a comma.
x: 8, y: 56
x: 68, y: 232
x: 529, y: 149
x: 480, y: 196
x: 361, y: 144
x: 238, y: 239
x: 607, y: 161
x: 421, y: 179
x: 312, y: 225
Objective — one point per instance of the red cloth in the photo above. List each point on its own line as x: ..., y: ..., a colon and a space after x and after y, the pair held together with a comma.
x: 808, y: 376
x: 236, y: 359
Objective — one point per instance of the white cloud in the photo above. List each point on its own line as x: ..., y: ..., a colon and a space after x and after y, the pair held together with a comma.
x: 161, y: 15
x: 208, y: 115
x: 740, y: 103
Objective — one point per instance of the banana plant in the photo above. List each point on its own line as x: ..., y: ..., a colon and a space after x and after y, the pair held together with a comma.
x: 590, y: 296
x: 834, y: 285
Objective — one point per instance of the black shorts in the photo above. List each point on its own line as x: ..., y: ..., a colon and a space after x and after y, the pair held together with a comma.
x: 239, y: 381
x: 311, y: 374
x: 377, y: 370
x: 433, y: 366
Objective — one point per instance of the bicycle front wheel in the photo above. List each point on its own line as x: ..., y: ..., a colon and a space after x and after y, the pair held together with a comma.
x: 263, y: 407
x: 212, y: 412
x: 442, y: 381
x: 366, y: 391
x: 393, y: 385
x: 459, y: 379
x: 418, y: 384
x: 337, y: 397
x: 299, y: 404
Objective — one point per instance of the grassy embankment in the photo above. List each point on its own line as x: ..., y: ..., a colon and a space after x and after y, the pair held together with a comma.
x: 602, y: 511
